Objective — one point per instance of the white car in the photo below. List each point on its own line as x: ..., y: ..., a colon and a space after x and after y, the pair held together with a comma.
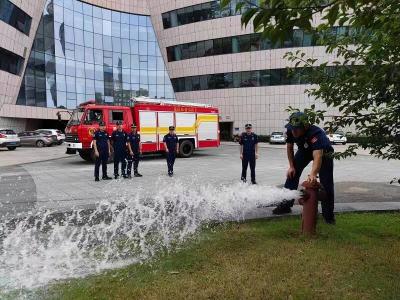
x: 9, y: 139
x: 337, y: 138
x: 58, y: 135
x: 277, y: 138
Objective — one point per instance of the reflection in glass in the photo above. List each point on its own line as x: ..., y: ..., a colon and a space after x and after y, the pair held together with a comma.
x: 83, y: 51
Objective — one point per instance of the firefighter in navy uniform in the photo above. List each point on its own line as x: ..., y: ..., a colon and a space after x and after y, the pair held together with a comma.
x: 248, y: 152
x: 118, y: 139
x: 135, y: 150
x: 313, y: 145
x: 102, y: 150
x: 171, y: 144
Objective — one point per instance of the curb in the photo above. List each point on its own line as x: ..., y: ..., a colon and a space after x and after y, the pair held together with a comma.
x: 266, y: 212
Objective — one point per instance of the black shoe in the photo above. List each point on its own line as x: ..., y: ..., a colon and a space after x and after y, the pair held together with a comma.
x: 124, y: 176
x: 282, y: 209
x: 243, y: 179
x: 253, y: 182
x: 138, y: 175
x: 97, y: 179
x: 170, y: 174
x: 116, y: 176
x: 106, y: 178
x: 128, y: 176
x: 330, y: 220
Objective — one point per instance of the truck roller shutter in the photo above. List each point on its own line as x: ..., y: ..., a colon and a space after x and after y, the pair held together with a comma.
x: 207, y: 130
x: 148, y: 130
x: 165, y: 119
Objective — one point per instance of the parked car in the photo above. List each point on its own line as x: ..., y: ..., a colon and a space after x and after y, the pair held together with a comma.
x: 9, y: 139
x: 337, y: 138
x: 33, y: 138
x: 277, y: 138
x: 57, y: 134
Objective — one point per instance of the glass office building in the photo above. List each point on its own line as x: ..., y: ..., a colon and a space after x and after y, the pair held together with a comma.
x: 83, y: 52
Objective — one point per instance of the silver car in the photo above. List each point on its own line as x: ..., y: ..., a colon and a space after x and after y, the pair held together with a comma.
x: 49, y: 133
x: 277, y: 138
x: 9, y: 139
x: 32, y: 138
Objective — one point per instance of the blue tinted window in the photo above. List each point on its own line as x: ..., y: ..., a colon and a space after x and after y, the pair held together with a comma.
x: 124, y: 18
x: 116, y: 29
x: 68, y: 17
x: 88, y: 23
x: 87, y: 9
x: 95, y: 53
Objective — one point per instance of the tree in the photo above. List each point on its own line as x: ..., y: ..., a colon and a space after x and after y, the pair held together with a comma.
x: 363, y: 81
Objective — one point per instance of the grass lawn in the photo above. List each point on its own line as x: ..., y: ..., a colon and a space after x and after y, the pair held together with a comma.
x: 359, y: 258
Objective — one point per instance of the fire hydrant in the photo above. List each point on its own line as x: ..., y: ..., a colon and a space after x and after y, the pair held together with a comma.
x: 309, y: 201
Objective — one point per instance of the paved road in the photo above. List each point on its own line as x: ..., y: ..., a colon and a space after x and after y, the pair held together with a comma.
x: 64, y: 182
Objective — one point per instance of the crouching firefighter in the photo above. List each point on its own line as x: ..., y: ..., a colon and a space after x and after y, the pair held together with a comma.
x: 102, y: 150
x: 135, y: 150
x: 313, y: 145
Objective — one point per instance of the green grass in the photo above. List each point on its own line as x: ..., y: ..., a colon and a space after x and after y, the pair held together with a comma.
x: 359, y: 258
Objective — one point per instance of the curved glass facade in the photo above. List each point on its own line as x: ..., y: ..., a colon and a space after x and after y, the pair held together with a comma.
x: 86, y: 52
x: 201, y: 12
x: 247, y: 43
x: 244, y: 79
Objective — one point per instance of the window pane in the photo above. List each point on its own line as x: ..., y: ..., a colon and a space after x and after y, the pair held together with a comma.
x: 79, y: 53
x: 116, y: 29
x: 116, y: 44
x: 78, y: 20
x: 107, y: 28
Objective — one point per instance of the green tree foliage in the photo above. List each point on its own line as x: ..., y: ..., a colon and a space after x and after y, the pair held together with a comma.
x: 362, y: 80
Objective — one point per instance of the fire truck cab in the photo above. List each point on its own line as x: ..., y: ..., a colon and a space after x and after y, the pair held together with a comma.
x: 196, y: 125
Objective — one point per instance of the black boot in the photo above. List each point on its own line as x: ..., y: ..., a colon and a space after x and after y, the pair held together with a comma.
x: 97, y: 179
x: 283, y: 208
x: 243, y: 179
x: 329, y: 219
x: 106, y: 178
x: 137, y: 174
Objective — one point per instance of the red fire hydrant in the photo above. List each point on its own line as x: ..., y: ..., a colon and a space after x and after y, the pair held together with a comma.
x: 310, y: 207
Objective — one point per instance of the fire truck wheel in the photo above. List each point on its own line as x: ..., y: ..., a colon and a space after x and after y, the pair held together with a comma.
x: 186, y: 149
x: 86, y: 155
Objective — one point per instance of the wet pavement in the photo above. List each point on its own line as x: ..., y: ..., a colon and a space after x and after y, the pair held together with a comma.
x: 58, y: 181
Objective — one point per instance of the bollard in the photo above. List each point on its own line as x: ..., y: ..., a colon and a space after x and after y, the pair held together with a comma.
x: 309, y: 201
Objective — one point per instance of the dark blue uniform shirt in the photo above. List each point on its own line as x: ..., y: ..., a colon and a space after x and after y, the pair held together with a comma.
x: 313, y: 139
x: 249, y: 142
x: 119, y: 141
x: 134, y: 140
x: 101, y: 138
x: 171, y: 140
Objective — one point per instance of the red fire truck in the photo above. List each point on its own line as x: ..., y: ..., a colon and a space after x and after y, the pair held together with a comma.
x: 196, y: 124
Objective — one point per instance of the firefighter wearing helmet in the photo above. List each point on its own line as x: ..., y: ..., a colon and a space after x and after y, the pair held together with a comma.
x: 313, y: 145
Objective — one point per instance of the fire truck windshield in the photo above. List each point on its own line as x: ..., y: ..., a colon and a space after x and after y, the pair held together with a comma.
x: 76, y: 117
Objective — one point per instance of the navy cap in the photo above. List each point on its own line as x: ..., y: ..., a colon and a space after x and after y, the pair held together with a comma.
x: 171, y: 127
x: 297, y: 120
x: 101, y: 123
x: 248, y: 126
x: 119, y: 123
